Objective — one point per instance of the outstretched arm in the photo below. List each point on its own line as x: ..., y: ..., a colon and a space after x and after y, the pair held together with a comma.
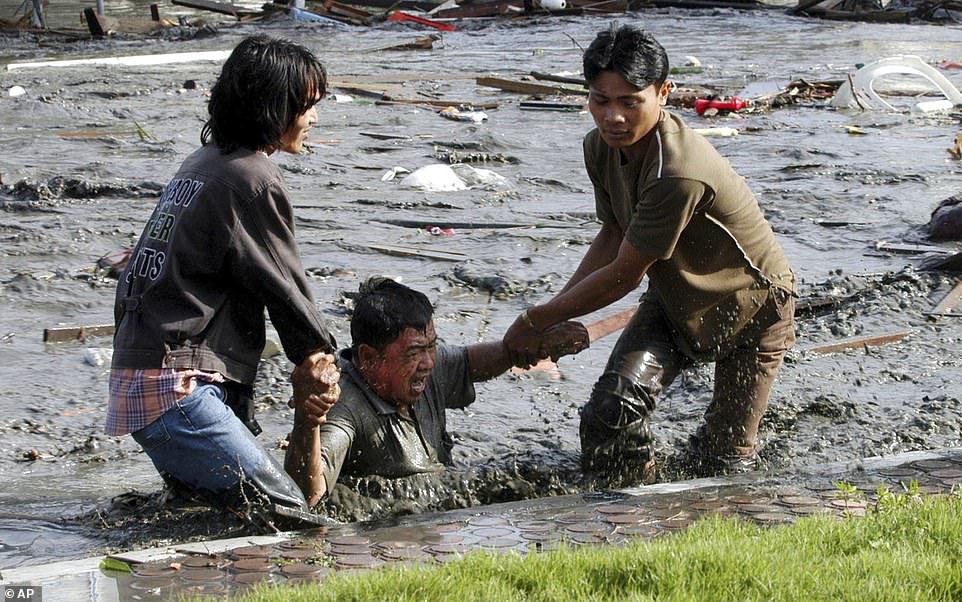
x: 489, y: 359
x: 603, y: 250
x: 599, y: 289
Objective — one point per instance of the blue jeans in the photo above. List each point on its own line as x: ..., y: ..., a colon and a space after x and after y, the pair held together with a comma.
x: 200, y: 443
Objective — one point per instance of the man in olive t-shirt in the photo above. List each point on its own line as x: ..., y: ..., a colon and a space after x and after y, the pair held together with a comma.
x: 720, y: 287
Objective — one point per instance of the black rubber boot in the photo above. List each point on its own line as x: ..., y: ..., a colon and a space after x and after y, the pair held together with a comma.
x: 709, y: 460
x: 615, y: 435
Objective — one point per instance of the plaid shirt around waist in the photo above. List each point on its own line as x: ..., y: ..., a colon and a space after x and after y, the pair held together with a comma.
x: 138, y: 397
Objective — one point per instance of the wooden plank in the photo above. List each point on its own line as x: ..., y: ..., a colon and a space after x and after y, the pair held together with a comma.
x: 380, y: 136
x: 541, y: 105
x: 435, y: 102
x: 93, y: 23
x: 223, y: 8
x: 908, y: 248
x: 346, y: 10
x: 422, y: 43
x: 419, y: 252
x: 875, y: 16
x: 130, y: 61
x: 364, y: 89
x: 860, y: 342
x: 600, y: 6
x: 948, y: 303
x: 613, y: 323
x: 508, y: 85
x: 596, y: 330
x: 76, y: 333
x: 577, y: 81
x: 811, y: 304
x: 441, y: 223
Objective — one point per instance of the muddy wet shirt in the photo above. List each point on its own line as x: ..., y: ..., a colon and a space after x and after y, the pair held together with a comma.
x: 365, y: 435
x: 684, y: 204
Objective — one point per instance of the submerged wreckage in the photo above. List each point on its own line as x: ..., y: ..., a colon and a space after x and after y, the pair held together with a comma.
x: 440, y: 14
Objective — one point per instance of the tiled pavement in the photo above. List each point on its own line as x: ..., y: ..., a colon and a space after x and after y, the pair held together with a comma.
x: 223, y: 567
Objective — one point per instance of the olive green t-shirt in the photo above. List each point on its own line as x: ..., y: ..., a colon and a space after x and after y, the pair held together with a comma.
x: 682, y: 203
x: 365, y: 435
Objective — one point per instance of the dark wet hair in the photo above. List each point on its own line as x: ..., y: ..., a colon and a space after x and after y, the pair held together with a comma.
x: 265, y: 84
x: 629, y: 51
x: 383, y: 309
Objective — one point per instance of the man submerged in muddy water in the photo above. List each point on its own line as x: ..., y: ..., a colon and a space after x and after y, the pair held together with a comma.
x: 720, y: 288
x: 397, y: 383
x: 218, y: 249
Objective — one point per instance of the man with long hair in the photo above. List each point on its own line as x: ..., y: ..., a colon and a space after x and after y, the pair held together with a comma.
x: 217, y: 250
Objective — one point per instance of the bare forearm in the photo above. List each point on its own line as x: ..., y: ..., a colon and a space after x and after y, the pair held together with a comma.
x: 303, y: 459
x: 487, y: 360
x: 603, y: 250
x: 599, y: 289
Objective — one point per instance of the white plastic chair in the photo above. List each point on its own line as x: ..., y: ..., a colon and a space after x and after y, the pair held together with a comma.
x: 859, y: 92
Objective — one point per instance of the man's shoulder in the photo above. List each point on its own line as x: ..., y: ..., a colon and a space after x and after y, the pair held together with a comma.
x: 242, y: 168
x: 678, y: 139
x: 593, y: 143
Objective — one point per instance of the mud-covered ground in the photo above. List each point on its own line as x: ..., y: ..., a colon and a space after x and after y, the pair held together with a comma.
x: 87, y: 149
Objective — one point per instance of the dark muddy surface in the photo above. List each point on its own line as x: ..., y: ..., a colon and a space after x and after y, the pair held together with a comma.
x: 87, y: 148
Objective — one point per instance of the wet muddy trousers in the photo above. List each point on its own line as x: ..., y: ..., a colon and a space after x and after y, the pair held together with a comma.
x: 615, y: 423
x: 615, y: 432
x: 200, y: 445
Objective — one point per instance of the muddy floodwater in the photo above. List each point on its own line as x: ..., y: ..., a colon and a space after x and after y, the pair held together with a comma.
x: 85, y: 151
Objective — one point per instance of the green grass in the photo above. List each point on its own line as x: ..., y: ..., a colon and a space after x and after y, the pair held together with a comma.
x: 907, y: 551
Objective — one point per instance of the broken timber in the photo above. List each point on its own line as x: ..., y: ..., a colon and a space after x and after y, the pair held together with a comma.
x: 596, y: 330
x: 516, y: 8
x: 387, y: 99
x: 948, y: 303
x: 419, y: 252
x: 548, y: 77
x: 422, y: 43
x: 223, y: 8
x: 422, y: 224
x: 76, y: 333
x: 544, y: 105
x: 861, y: 342
x: 908, y: 248
x: 101, y: 25
x: 526, y: 87
x: 347, y: 12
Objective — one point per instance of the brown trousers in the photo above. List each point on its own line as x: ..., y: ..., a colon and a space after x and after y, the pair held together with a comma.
x: 648, y: 356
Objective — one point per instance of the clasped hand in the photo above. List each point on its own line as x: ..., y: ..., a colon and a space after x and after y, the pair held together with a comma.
x: 526, y: 346
x: 315, y: 387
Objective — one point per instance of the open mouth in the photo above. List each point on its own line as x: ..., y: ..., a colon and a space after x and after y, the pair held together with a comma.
x: 419, y: 384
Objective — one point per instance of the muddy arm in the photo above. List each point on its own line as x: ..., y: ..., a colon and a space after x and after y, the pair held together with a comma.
x: 316, y: 389
x: 303, y: 459
x: 487, y: 360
